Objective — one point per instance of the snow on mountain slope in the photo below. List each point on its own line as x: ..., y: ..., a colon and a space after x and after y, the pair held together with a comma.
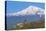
x: 28, y: 11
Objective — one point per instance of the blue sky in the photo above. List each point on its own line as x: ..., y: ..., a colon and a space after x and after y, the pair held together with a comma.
x: 15, y: 6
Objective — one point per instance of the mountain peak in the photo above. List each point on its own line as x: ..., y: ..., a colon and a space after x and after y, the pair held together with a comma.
x: 29, y: 10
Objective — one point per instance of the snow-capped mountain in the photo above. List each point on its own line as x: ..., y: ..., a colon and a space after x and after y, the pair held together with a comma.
x: 31, y: 12
x: 28, y: 11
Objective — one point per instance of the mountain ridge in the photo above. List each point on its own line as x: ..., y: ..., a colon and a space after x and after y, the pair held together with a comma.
x: 29, y: 10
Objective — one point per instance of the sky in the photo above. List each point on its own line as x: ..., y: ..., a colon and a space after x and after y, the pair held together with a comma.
x: 15, y: 6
